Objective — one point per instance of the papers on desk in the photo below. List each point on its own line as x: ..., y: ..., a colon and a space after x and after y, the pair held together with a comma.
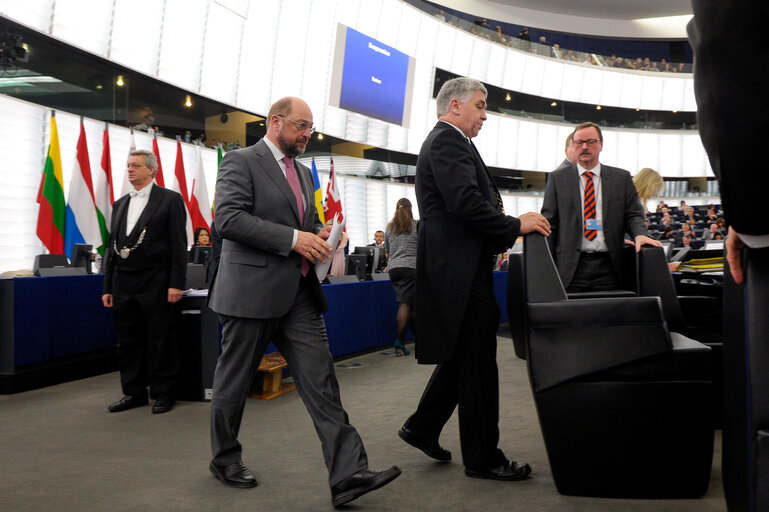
x: 702, y: 265
x: 321, y: 269
x: 195, y: 293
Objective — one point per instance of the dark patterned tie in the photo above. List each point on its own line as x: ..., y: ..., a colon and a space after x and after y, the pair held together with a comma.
x: 590, y: 234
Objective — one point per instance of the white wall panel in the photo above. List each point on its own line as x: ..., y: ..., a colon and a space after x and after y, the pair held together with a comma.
x: 515, y: 71
x: 36, y: 14
x: 533, y: 76
x: 651, y: 92
x: 136, y: 31
x: 256, y: 58
x: 181, y: 50
x: 552, y: 80
x: 84, y: 23
x: 479, y: 61
x: 221, y: 54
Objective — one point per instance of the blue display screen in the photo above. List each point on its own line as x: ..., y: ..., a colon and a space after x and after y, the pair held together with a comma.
x: 374, y: 78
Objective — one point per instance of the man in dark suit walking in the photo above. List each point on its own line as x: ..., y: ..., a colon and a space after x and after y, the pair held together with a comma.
x: 590, y: 207
x: 265, y: 289
x: 144, y: 270
x: 462, y: 228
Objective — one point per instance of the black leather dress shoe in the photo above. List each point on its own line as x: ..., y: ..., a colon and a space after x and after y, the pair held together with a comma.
x: 429, y: 446
x: 163, y: 404
x: 128, y: 402
x: 355, y: 486
x: 236, y: 474
x: 508, y: 472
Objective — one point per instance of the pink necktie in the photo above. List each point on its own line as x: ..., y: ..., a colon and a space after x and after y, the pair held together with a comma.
x: 293, y: 181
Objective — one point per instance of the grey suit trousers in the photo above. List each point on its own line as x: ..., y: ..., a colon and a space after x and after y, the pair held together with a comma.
x: 300, y: 336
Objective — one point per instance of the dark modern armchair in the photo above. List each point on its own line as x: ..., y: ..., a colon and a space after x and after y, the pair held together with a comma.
x: 622, y: 402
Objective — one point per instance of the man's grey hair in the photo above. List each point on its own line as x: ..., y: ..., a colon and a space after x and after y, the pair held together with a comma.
x: 149, y: 159
x: 460, y: 88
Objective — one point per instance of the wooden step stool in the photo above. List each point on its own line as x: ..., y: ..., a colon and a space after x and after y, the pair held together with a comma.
x: 272, y: 369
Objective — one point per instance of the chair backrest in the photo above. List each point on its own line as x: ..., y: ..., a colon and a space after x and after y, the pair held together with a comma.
x: 655, y: 280
x: 516, y: 303
x: 196, y: 277
x: 543, y: 284
x: 49, y: 261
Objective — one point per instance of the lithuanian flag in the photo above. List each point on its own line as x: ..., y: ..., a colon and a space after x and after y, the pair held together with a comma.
x: 50, y: 196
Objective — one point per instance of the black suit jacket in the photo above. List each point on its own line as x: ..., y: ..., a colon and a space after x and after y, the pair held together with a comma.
x: 460, y: 227
x: 729, y: 40
x: 160, y: 261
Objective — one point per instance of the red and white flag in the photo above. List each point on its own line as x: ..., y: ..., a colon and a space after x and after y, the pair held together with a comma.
x: 200, y: 207
x: 179, y: 184
x: 158, y: 175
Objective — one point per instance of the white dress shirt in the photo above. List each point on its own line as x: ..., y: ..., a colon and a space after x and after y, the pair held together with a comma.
x: 136, y: 205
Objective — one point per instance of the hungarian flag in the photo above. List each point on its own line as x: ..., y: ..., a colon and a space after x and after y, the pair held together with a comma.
x: 333, y: 199
x: 179, y: 184
x: 158, y: 175
x: 50, y: 196
x: 104, y: 193
x: 318, y: 193
x: 82, y: 221
x: 199, y: 206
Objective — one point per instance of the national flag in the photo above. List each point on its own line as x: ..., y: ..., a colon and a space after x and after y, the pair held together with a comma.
x: 104, y: 193
x: 179, y: 184
x: 126, y: 187
x: 318, y: 193
x: 333, y: 199
x: 50, y: 196
x: 200, y: 210
x: 82, y: 222
x: 158, y: 175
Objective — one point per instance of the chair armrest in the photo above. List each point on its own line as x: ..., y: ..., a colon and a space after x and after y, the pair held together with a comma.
x: 573, y: 338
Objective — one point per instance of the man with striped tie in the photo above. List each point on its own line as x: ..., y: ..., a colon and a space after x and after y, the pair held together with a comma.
x: 590, y: 207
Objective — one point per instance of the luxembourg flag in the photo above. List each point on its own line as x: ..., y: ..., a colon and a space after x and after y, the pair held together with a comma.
x: 82, y: 224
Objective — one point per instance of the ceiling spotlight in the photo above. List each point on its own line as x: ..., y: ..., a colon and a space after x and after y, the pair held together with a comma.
x: 553, y: 104
x: 119, y: 82
x: 675, y: 111
x: 508, y: 98
x: 320, y: 136
x: 188, y: 101
x: 598, y: 107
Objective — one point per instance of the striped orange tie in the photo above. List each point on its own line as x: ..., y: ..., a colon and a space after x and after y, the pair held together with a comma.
x: 590, y: 234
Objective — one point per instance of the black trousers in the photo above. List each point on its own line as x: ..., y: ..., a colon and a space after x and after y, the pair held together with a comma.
x: 594, y: 273
x: 469, y: 379
x: 147, y: 344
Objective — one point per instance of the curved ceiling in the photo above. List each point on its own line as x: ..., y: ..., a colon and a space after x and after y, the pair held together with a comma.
x: 645, y: 19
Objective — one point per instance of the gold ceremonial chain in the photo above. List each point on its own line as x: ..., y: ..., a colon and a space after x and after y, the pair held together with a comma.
x: 126, y: 251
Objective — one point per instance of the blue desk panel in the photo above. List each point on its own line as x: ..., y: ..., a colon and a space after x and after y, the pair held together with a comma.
x: 55, y: 317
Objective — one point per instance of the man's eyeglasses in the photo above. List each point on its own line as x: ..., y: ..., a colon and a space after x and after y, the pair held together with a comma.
x: 589, y: 142
x: 302, y: 125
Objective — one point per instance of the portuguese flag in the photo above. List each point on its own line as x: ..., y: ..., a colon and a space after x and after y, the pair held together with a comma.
x: 50, y: 196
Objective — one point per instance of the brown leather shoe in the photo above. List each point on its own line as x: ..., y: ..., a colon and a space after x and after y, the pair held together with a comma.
x: 508, y: 472
x: 235, y: 475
